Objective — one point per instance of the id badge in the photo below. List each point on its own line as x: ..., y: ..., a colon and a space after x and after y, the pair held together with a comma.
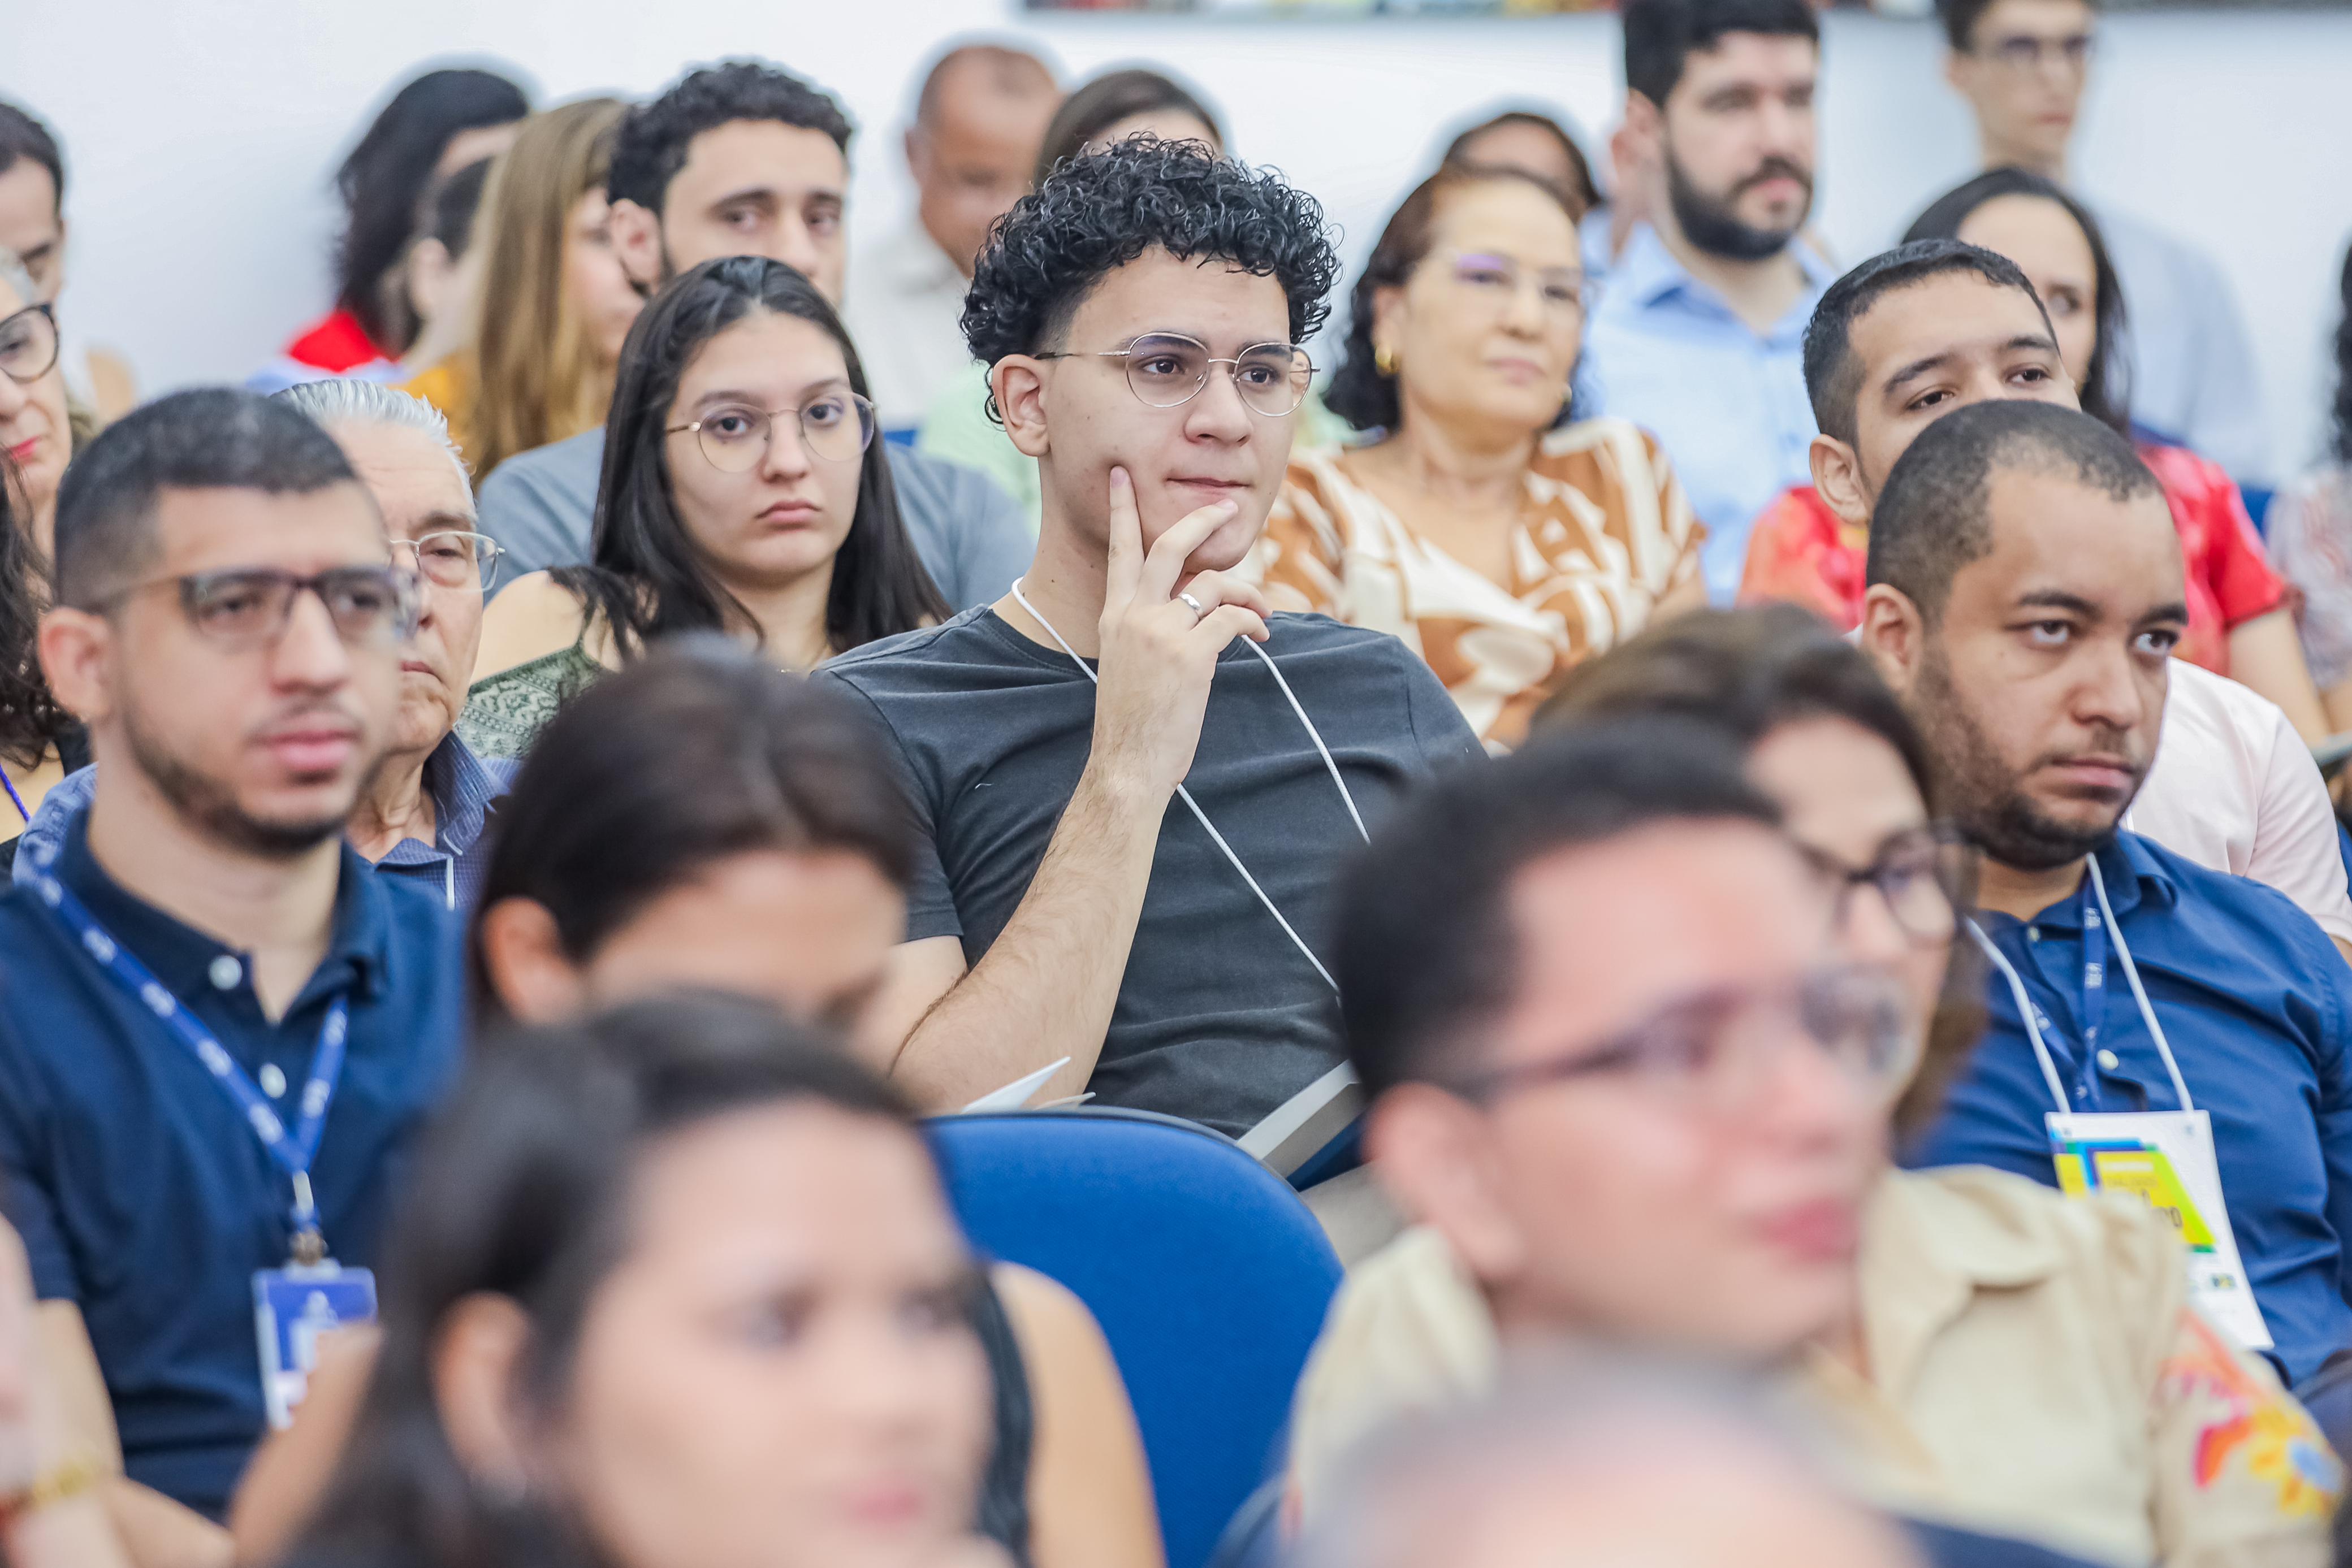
x: 291, y: 1308
x: 2167, y: 1158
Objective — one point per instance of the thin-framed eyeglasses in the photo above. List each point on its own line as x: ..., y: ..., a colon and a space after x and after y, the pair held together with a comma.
x: 836, y: 427
x: 1564, y: 292
x: 1714, y: 1049
x: 1926, y: 877
x: 1168, y: 370
x: 2023, y: 55
x: 451, y: 557
x: 244, y: 607
x: 28, y: 344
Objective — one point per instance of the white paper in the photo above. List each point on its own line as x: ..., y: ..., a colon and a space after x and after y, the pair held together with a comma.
x: 1015, y: 1094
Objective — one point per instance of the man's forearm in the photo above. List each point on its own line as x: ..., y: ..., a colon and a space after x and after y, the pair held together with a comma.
x: 1048, y: 984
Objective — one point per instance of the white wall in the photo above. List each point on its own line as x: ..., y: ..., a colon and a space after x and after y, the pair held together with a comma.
x: 201, y: 132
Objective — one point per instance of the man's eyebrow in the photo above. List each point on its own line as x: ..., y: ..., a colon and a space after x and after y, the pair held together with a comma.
x: 766, y: 195
x: 2057, y: 599
x: 1918, y: 367
x: 2176, y: 611
x: 444, y: 520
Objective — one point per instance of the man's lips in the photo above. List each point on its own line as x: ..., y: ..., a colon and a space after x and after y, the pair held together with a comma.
x: 1824, y: 1231
x: 306, y: 749
x: 2097, y: 775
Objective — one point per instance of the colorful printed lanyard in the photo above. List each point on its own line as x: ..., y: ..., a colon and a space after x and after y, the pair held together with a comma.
x: 293, y: 1153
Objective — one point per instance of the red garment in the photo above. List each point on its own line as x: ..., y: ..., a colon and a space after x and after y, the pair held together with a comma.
x: 336, y: 344
x: 1800, y: 552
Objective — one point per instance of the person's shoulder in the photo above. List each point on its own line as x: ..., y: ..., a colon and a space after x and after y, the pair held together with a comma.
x: 543, y: 467
x: 533, y: 617
x: 2245, y: 902
x: 897, y: 660
x: 935, y: 477
x: 2015, y: 1222
x: 2230, y: 706
x: 1309, y: 632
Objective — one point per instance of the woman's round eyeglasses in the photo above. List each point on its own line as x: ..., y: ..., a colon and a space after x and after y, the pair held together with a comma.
x: 28, y: 344
x: 837, y: 427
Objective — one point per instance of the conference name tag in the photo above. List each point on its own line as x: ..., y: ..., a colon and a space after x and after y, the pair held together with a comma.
x: 2167, y: 1158
x: 292, y: 1307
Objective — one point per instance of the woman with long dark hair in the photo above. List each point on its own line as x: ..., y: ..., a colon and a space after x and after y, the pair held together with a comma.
x: 40, y: 743
x: 678, y: 1285
x: 743, y: 493
x: 701, y: 820
x: 434, y: 126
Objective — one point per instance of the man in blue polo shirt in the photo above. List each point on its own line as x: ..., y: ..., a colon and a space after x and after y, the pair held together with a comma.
x: 2025, y: 596
x: 218, y: 1027
x: 1699, y: 334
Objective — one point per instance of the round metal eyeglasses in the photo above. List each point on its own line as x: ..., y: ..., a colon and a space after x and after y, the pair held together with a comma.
x: 1168, y: 370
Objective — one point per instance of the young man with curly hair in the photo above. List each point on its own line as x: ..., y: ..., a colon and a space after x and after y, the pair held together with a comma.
x: 1139, y: 314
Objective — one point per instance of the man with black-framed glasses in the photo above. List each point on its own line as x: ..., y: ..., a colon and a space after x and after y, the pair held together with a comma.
x: 421, y: 816
x: 218, y: 1027
x: 2023, y: 65
x: 1133, y: 783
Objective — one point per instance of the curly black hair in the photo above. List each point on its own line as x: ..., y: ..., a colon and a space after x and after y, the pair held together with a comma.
x: 649, y: 147
x: 1102, y: 210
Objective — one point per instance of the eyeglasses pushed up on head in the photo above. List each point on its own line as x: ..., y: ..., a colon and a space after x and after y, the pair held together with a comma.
x: 1168, y: 370
x: 836, y: 427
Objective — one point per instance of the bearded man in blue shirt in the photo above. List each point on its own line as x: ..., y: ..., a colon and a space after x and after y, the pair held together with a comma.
x: 2153, y: 1026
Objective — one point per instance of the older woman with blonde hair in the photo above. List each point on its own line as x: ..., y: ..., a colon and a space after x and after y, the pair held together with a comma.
x: 1501, y: 538
x: 554, y: 305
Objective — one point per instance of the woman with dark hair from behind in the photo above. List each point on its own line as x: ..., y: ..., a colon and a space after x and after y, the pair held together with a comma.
x: 1500, y: 536
x: 2310, y: 527
x: 1533, y: 143
x: 434, y: 126
x: 701, y: 819
x: 743, y: 493
x: 674, y: 1285
x: 2238, y: 622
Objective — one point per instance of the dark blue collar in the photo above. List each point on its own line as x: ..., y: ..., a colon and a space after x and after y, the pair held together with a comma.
x: 461, y: 789
x: 2134, y: 877
x: 182, y: 956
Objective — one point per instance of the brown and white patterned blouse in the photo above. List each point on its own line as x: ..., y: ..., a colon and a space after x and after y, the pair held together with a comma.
x: 1604, y: 533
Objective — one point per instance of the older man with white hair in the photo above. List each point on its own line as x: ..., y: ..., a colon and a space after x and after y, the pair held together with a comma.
x: 422, y: 814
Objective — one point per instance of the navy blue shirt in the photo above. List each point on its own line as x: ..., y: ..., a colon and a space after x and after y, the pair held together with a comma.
x: 2257, y: 1004
x: 144, y: 1196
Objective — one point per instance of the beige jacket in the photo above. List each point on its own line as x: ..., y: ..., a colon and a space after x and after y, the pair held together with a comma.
x: 2036, y: 1372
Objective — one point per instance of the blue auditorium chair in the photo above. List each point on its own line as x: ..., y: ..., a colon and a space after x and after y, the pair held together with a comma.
x: 1209, y: 1276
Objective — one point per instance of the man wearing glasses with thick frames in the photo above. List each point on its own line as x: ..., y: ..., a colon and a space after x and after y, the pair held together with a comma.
x: 2024, y: 66
x: 203, y: 968
x: 1124, y: 885
x: 421, y: 816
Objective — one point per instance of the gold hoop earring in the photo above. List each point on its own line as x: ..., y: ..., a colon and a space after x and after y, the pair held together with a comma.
x: 1385, y: 361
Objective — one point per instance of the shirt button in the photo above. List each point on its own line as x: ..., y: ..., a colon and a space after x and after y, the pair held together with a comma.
x: 2107, y: 1060
x: 2034, y: 933
x: 226, y: 972
x: 273, y: 1079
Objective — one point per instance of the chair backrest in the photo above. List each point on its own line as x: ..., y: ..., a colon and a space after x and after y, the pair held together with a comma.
x: 1209, y: 1276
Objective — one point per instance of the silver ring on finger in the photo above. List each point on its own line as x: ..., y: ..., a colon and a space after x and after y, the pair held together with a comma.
x: 1198, y: 613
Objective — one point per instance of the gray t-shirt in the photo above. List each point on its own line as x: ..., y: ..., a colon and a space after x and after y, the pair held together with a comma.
x: 1220, y: 1020
x: 972, y: 536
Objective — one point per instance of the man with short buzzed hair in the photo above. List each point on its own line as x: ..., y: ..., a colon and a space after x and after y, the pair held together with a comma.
x: 979, y: 120
x: 2026, y: 592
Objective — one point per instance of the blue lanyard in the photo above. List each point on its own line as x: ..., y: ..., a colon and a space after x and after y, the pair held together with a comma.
x: 16, y: 798
x: 293, y: 1153
x: 2095, y: 975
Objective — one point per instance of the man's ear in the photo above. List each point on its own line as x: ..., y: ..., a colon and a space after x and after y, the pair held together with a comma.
x: 77, y: 649
x: 637, y: 240
x: 527, y: 967
x: 1837, y: 475
x: 1018, y: 385
x: 1895, y: 634
x: 1430, y: 1150
x: 917, y: 148
x: 477, y: 1369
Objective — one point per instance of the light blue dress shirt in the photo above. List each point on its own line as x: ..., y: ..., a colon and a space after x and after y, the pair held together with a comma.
x: 1728, y: 406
